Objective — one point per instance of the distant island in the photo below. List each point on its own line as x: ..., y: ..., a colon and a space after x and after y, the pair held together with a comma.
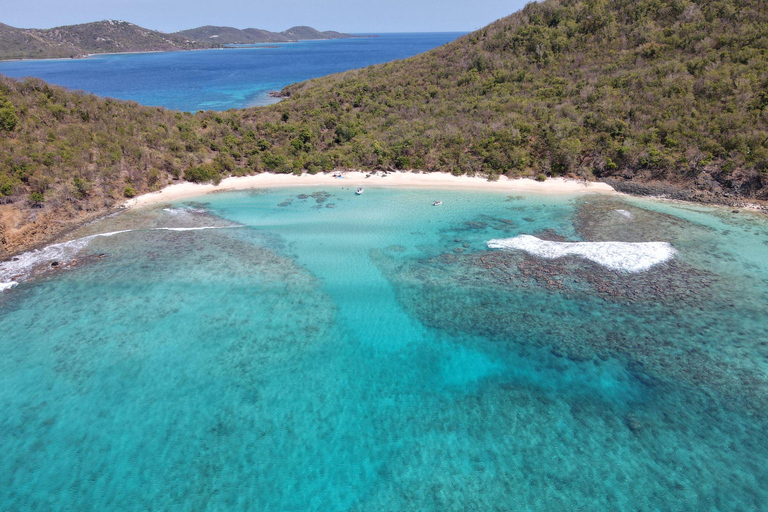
x: 231, y: 35
x: 112, y: 36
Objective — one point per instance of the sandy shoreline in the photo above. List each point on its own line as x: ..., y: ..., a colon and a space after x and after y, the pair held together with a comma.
x: 358, y: 179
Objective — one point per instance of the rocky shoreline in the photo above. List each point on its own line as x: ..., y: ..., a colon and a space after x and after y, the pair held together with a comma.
x: 46, y: 229
x: 712, y: 195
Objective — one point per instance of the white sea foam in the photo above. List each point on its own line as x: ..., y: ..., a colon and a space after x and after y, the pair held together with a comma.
x: 180, y: 211
x: 22, y: 266
x: 8, y: 285
x: 624, y: 256
x: 191, y: 229
x: 625, y: 213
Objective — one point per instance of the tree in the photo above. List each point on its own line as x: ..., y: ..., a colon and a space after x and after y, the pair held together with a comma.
x: 8, y: 117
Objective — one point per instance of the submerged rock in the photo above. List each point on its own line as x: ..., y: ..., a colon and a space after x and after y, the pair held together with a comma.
x: 633, y: 424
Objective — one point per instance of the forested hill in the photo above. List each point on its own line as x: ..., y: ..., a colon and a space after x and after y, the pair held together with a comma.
x: 656, y: 96
x: 231, y: 35
x: 304, y: 33
x: 109, y: 36
x: 646, y: 90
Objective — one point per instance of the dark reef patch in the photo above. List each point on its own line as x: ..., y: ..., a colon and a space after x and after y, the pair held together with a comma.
x: 674, y: 326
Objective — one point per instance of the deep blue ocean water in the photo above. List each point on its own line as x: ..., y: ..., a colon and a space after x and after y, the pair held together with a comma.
x: 221, y: 79
x: 319, y: 350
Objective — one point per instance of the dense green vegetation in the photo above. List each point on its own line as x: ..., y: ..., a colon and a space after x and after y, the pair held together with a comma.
x: 640, y: 90
x: 77, y: 151
x: 649, y: 89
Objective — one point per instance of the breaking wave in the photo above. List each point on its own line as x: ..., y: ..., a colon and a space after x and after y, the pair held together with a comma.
x: 186, y: 210
x: 190, y: 229
x: 20, y: 267
x: 623, y: 256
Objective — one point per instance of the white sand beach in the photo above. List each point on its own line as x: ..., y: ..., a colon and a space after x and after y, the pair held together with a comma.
x: 358, y: 179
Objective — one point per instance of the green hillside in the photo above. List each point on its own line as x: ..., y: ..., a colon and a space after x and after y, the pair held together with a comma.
x: 19, y: 43
x: 658, y: 97
x: 231, y: 35
x: 304, y: 33
x: 649, y: 90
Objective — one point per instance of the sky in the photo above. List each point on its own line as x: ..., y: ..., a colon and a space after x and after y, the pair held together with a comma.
x: 360, y: 16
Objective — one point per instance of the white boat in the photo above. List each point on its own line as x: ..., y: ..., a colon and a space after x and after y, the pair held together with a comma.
x: 359, y: 191
x: 437, y: 203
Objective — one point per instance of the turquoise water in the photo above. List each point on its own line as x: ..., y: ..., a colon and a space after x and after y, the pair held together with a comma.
x: 221, y: 79
x: 325, y: 351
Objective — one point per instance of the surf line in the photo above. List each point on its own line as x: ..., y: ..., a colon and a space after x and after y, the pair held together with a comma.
x: 20, y: 267
x: 621, y: 256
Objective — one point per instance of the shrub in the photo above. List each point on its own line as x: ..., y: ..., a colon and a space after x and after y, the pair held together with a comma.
x: 403, y: 162
x: 81, y: 186
x: 203, y: 174
x: 345, y: 133
x: 129, y: 191
x: 277, y: 163
x: 8, y: 118
x: 7, y: 185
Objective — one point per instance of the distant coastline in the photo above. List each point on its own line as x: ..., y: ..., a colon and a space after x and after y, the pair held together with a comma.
x: 121, y: 37
x: 88, y: 55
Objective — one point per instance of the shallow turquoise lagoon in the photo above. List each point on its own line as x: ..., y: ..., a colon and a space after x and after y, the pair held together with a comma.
x: 318, y: 350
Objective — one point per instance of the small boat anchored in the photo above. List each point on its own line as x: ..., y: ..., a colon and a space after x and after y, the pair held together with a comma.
x: 437, y: 203
x: 359, y: 191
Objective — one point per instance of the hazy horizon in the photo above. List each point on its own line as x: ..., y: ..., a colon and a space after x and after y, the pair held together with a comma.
x: 277, y: 30
x: 342, y: 15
